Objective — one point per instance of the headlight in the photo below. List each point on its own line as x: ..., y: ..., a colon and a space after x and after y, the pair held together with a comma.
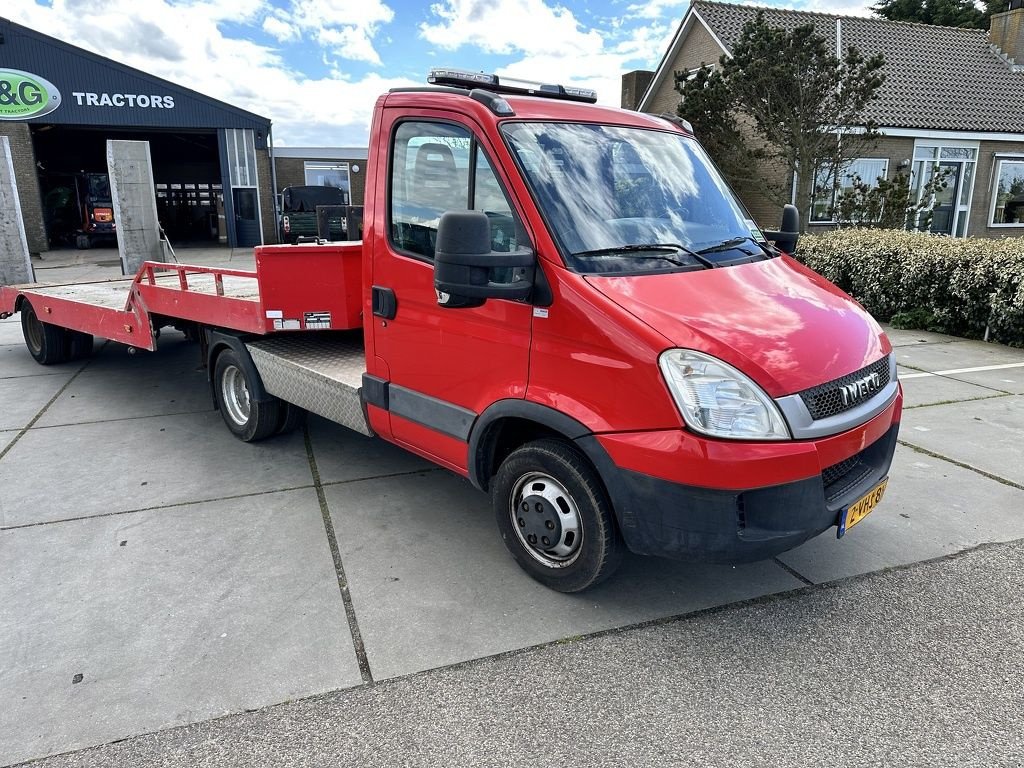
x: 716, y: 399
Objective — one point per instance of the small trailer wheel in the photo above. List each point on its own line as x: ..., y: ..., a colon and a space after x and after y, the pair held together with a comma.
x: 78, y: 345
x: 248, y: 419
x: 554, y: 516
x: 46, y: 343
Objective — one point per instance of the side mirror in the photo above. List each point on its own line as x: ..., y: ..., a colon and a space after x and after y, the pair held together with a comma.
x: 467, y: 272
x: 786, y: 238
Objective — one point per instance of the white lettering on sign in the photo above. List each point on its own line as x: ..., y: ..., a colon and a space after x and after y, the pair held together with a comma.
x: 141, y: 100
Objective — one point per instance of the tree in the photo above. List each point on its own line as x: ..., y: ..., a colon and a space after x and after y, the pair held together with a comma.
x: 785, y: 98
x: 889, y: 203
x: 946, y: 13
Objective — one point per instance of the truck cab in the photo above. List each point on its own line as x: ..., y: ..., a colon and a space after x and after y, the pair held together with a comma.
x: 566, y: 304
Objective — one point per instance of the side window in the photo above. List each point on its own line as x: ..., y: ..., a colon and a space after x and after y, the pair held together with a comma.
x: 438, y: 167
x: 488, y: 197
x: 429, y: 175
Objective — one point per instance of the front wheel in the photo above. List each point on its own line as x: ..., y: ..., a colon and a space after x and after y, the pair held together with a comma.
x: 248, y: 419
x: 555, y: 517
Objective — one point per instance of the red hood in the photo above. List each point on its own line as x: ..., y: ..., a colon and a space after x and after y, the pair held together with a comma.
x: 777, y: 321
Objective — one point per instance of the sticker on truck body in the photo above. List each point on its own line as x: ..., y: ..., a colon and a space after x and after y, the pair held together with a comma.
x: 316, y: 321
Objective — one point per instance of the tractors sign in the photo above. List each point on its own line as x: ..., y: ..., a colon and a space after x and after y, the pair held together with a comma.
x: 24, y: 95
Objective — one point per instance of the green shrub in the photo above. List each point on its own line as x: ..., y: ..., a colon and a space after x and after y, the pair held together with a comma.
x: 954, y: 285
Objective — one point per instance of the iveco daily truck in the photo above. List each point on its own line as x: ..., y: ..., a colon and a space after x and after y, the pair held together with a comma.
x: 565, y: 304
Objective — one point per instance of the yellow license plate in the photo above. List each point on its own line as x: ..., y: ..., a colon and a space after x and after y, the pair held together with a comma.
x: 861, y: 508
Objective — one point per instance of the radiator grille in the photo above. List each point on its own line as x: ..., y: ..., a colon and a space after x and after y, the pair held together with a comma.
x: 826, y: 400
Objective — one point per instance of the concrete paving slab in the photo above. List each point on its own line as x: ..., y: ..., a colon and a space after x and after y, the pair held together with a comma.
x: 343, y: 455
x: 931, y: 508
x: 987, y: 434
x: 122, y: 625
x: 10, y: 332
x: 906, y: 338
x: 6, y: 438
x: 432, y: 583
x: 1006, y: 379
x: 929, y: 390
x: 957, y: 354
x: 21, y: 399
x: 117, y: 385
x: 17, y: 363
x: 140, y: 463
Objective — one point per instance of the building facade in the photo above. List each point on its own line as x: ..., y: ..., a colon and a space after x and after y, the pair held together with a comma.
x: 952, y: 103
x: 59, y: 104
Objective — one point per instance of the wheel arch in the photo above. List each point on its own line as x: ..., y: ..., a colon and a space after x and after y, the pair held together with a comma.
x: 508, y: 424
x: 217, y: 341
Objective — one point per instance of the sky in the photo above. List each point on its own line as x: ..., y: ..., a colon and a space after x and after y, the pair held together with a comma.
x: 316, y: 67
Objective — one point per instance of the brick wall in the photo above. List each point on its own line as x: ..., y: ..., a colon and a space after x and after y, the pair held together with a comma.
x: 20, y: 136
x: 978, y: 225
x: 699, y: 48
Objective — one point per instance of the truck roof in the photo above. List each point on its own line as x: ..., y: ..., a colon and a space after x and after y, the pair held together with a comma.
x: 525, y: 108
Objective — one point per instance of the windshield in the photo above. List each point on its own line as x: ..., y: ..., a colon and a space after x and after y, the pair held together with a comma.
x: 616, y: 197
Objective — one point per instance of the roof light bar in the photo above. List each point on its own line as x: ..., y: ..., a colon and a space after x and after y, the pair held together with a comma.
x: 465, y: 79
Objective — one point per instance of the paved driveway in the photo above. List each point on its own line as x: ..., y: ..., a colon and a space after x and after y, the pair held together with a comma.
x: 154, y: 571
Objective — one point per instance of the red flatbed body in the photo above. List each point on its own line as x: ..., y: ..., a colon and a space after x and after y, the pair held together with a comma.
x: 293, y: 288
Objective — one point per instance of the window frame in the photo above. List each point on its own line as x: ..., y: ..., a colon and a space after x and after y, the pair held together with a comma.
x: 475, y: 146
x: 811, y: 221
x: 999, y: 159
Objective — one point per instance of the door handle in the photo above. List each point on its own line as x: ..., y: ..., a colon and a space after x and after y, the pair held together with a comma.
x: 384, y: 302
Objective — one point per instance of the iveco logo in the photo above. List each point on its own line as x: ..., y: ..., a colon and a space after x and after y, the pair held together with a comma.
x: 860, y: 389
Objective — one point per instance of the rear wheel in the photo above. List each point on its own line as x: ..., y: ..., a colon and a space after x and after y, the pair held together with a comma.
x: 555, y: 517
x: 247, y: 419
x: 45, y: 342
x: 78, y: 345
x: 292, y: 417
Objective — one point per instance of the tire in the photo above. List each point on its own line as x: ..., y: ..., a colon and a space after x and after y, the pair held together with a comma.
x: 548, y: 489
x: 292, y: 417
x: 83, y: 242
x: 247, y: 419
x: 46, y: 343
x: 77, y: 345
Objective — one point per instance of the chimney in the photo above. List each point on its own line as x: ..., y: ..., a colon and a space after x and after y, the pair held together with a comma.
x: 634, y: 85
x: 1007, y: 32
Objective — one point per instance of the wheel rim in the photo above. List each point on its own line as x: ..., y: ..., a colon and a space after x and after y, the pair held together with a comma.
x: 235, y: 395
x: 546, y: 520
x: 33, y: 330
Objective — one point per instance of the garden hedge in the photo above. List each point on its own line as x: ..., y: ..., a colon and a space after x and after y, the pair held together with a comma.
x: 960, y: 286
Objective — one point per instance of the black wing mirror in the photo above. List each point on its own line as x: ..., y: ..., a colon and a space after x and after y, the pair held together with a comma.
x: 467, y: 272
x: 786, y: 238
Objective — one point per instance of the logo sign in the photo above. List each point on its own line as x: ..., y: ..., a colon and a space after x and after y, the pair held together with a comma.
x: 24, y: 95
x: 861, y: 388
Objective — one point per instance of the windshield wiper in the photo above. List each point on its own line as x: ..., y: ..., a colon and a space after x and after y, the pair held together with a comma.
x: 650, y: 248
x: 735, y: 242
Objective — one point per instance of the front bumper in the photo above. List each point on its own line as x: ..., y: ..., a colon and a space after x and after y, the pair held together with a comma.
x: 754, y: 508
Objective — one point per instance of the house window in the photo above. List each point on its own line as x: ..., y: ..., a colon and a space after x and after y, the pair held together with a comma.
x: 955, y: 164
x: 326, y: 174
x: 826, y: 194
x: 1008, y: 197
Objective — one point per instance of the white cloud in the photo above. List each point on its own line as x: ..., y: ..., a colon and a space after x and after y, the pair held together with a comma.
x: 549, y: 41
x: 530, y: 26
x: 183, y: 44
x: 344, y: 27
x: 280, y: 29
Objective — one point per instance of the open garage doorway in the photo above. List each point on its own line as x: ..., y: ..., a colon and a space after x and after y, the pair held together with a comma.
x: 72, y: 165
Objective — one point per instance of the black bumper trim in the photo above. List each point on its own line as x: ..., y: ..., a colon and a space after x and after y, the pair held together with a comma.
x: 666, y: 519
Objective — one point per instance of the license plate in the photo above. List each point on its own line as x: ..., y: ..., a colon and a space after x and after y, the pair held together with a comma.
x: 861, y: 508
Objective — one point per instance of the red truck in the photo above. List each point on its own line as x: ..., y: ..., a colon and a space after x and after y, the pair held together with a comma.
x: 563, y: 303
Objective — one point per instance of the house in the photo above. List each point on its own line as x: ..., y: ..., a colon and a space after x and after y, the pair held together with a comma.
x: 953, y: 99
